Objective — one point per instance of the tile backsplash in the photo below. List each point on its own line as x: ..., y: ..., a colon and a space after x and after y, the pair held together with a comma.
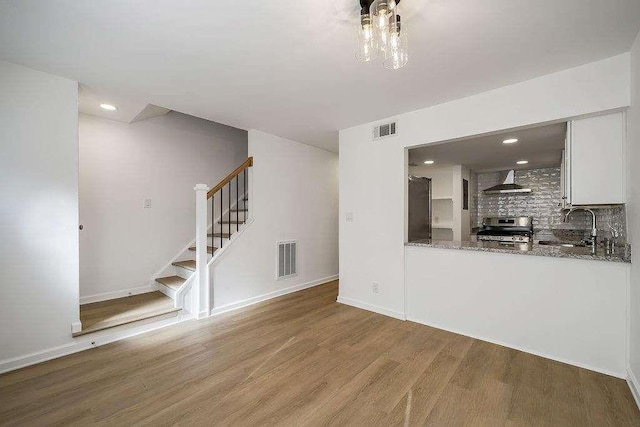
x: 544, y: 205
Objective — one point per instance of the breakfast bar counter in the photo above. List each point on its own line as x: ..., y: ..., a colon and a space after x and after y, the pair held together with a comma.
x: 619, y: 255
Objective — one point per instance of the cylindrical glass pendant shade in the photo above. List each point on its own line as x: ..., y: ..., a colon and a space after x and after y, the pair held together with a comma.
x: 367, y: 42
x: 397, y: 54
x: 381, y: 34
x: 382, y: 14
x: 380, y: 11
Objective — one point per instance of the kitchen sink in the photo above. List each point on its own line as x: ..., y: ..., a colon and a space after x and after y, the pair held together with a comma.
x: 562, y: 244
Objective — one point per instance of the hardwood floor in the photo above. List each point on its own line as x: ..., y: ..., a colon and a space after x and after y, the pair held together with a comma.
x: 108, y: 314
x: 304, y: 359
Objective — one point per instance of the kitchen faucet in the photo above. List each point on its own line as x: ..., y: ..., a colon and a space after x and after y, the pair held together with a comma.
x: 594, y: 230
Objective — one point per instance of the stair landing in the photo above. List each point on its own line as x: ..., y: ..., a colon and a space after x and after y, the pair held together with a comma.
x: 121, y: 311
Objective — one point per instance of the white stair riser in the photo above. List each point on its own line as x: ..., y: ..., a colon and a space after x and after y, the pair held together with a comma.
x: 166, y: 290
x: 209, y: 256
x: 183, y: 272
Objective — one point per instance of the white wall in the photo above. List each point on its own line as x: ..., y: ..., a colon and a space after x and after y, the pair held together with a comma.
x: 633, y: 210
x: 565, y: 309
x: 38, y: 210
x: 461, y: 218
x: 294, y: 196
x: 441, y: 179
x: 373, y: 175
x: 123, y: 245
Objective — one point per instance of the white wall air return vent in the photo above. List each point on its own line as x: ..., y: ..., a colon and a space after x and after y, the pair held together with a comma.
x: 384, y: 131
x: 287, y: 259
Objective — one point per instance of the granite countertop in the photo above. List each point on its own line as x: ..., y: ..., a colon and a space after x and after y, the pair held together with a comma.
x: 528, y: 249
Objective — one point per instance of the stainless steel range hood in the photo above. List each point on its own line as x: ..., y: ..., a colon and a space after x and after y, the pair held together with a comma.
x: 508, y: 185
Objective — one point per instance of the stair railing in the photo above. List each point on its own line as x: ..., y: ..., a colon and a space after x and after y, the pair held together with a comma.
x: 201, y: 297
x: 219, y: 188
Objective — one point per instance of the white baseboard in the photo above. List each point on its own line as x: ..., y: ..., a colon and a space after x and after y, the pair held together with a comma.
x: 42, y: 356
x: 634, y: 385
x: 84, y: 342
x: 264, y: 297
x: 117, y: 294
x: 609, y: 372
x: 371, y: 307
x: 165, y: 290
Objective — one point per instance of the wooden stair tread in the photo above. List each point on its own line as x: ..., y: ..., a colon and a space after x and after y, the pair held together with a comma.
x: 122, y: 311
x: 189, y: 265
x: 210, y: 249
x: 230, y: 222
x: 223, y: 235
x: 125, y: 321
x: 172, y: 282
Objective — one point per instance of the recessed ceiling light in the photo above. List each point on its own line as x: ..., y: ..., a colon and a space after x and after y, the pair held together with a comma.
x: 510, y: 141
x: 429, y: 162
x: 108, y: 107
x: 523, y: 162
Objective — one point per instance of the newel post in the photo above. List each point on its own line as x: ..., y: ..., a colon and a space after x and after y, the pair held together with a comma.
x: 202, y: 301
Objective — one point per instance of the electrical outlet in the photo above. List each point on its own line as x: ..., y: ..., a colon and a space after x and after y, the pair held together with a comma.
x: 349, y: 216
x: 375, y: 288
x: 146, y: 203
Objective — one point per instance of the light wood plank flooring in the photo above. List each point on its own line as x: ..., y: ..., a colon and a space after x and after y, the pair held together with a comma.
x: 303, y: 359
x: 121, y: 311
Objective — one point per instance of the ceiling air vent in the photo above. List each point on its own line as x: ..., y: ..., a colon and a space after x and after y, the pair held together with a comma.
x: 384, y: 131
x: 287, y: 259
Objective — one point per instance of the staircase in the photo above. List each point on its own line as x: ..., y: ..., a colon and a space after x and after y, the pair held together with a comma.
x: 227, y: 207
x: 221, y: 212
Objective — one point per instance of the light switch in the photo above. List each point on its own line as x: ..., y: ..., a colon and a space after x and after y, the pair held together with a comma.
x: 146, y: 204
x: 349, y: 216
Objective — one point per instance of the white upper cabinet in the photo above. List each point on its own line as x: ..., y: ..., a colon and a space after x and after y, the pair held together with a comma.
x: 595, y: 163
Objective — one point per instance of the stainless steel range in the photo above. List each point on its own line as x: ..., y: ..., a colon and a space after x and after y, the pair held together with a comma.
x: 507, y: 229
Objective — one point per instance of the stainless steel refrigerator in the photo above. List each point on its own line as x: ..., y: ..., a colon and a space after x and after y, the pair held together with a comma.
x: 419, y: 208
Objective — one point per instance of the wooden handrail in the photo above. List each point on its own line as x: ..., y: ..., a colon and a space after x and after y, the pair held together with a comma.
x: 247, y: 164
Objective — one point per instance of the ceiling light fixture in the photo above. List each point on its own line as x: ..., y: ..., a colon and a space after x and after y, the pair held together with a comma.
x: 108, y: 107
x: 522, y: 162
x: 429, y: 162
x: 381, y: 34
x: 510, y: 141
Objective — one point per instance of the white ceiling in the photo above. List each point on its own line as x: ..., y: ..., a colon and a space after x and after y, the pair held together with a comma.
x: 128, y: 110
x: 541, y: 147
x: 288, y: 67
